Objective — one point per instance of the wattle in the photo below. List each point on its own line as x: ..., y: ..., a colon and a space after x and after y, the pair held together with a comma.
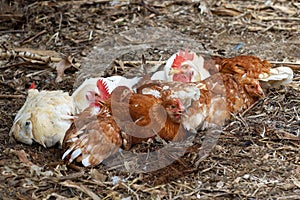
x: 181, y: 78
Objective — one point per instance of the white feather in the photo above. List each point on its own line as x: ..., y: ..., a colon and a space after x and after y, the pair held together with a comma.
x: 278, y: 76
x: 66, y: 153
x: 159, y: 75
x: 72, y: 140
x: 168, y: 67
x: 86, y: 161
x: 192, y: 123
x: 187, y: 95
x: 153, y: 92
x: 75, y: 154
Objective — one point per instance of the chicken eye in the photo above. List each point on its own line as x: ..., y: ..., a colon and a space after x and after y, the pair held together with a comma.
x: 27, y: 123
x: 173, y: 107
x: 185, y: 67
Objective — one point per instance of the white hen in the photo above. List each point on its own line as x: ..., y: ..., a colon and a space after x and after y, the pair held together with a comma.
x: 45, y: 117
x: 79, y: 95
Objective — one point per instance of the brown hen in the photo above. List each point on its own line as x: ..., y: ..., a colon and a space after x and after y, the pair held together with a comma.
x: 211, y: 101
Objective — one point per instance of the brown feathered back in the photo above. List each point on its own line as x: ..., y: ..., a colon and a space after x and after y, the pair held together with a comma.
x: 250, y: 65
x: 92, y: 138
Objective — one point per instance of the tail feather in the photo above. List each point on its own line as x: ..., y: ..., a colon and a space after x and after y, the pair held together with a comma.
x: 279, y: 74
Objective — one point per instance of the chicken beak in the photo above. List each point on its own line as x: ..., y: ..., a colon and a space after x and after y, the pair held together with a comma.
x: 260, y: 93
x: 183, y: 111
x: 174, y: 71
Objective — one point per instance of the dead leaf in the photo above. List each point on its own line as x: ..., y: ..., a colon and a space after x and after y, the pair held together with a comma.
x: 61, y: 66
x: 97, y: 175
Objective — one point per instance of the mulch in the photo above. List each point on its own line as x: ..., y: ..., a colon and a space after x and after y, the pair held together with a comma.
x: 257, y: 154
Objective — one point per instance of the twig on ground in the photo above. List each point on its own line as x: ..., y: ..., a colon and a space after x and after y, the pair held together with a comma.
x: 80, y: 187
x: 10, y: 96
x: 292, y: 65
x: 28, y: 40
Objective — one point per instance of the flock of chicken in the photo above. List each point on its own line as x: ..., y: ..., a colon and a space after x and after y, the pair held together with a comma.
x: 105, y: 114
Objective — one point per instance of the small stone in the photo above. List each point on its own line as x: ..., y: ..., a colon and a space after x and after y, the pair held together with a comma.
x: 246, y: 176
x: 98, y: 26
x: 220, y: 184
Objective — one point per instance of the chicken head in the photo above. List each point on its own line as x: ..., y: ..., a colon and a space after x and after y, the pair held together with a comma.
x: 252, y: 87
x: 95, y: 98
x: 22, y: 129
x: 174, y: 109
x: 188, y: 67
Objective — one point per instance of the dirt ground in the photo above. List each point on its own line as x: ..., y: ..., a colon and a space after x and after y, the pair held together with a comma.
x: 257, y: 155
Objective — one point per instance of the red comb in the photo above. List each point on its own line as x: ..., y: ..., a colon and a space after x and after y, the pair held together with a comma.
x: 186, y: 55
x: 103, y: 89
x: 181, y: 57
x: 32, y: 86
x: 177, y: 61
